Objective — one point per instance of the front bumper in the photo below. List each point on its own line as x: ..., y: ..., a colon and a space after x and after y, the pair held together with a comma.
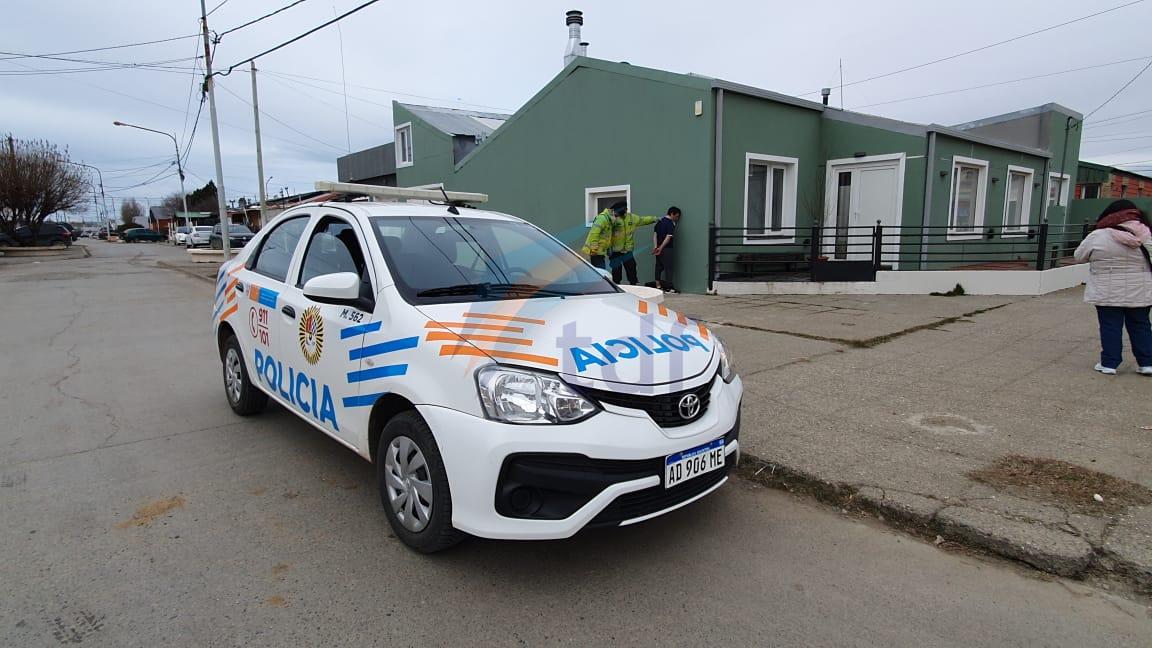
x: 604, y: 471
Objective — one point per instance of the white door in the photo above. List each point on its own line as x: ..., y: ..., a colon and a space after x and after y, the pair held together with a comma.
x: 860, y: 194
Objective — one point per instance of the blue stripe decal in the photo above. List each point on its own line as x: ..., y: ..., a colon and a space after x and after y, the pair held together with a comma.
x: 384, y: 347
x: 268, y: 297
x: 363, y: 400
x: 377, y: 372
x: 218, y: 309
x: 359, y: 329
x: 220, y: 289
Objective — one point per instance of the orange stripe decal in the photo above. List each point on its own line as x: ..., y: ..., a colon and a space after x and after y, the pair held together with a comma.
x: 475, y: 325
x: 643, y: 307
x: 703, y: 331
x: 504, y: 318
x: 228, y: 311
x: 238, y: 268
x: 449, y: 336
x: 663, y: 310
x: 230, y: 297
x: 680, y: 318
x: 254, y: 292
x: 451, y: 350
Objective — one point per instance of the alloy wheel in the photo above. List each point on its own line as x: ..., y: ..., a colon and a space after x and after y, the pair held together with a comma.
x: 233, y: 376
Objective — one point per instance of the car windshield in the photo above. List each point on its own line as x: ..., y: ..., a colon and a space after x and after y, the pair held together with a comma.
x: 205, y: 228
x: 181, y: 230
x: 444, y: 259
x: 235, y: 228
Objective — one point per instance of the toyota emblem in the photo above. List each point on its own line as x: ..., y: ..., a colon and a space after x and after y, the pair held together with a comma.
x: 689, y: 406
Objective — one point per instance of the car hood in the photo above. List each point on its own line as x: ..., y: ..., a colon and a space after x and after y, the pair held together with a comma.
x: 613, y: 341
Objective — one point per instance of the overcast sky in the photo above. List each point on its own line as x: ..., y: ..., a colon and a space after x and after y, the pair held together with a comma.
x: 494, y: 56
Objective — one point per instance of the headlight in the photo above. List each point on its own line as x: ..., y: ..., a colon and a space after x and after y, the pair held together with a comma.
x: 727, y: 369
x: 516, y: 396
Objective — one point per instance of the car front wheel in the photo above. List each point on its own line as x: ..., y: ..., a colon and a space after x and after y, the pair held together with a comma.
x: 244, y: 397
x: 414, y: 485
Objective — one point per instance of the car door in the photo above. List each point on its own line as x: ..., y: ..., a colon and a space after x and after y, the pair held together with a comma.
x: 261, y: 284
x: 329, y: 337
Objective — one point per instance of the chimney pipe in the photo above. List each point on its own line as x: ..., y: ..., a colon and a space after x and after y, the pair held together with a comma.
x: 824, y: 92
x: 574, y: 19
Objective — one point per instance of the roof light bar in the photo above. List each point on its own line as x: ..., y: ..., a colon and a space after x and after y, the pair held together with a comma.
x: 400, y: 193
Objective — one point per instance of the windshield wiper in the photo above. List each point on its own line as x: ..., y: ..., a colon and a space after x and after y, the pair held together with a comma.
x: 484, y: 289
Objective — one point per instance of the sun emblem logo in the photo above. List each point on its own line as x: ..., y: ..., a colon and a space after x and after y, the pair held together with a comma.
x: 311, y: 334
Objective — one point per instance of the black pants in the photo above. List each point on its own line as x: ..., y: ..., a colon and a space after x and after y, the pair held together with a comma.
x: 664, y: 269
x: 621, y: 261
x: 598, y: 260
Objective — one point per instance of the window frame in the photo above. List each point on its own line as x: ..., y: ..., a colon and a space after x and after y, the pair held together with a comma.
x: 981, y: 198
x: 592, y: 193
x: 401, y: 162
x: 1025, y: 202
x: 791, y: 166
x: 1062, y: 197
x: 360, y: 238
x: 255, y: 258
x: 1090, y: 185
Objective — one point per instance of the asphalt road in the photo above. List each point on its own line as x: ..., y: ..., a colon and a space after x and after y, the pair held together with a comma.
x: 138, y: 510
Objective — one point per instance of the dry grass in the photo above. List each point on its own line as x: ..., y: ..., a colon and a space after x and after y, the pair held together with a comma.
x: 1062, y: 483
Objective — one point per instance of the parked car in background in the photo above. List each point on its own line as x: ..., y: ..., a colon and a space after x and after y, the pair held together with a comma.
x: 46, y: 234
x: 6, y: 240
x: 238, y: 237
x: 137, y: 234
x: 199, y: 236
x: 102, y: 233
x: 73, y: 233
x: 180, y: 235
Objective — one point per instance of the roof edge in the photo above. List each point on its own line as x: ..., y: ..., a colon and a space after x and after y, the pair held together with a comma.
x: 752, y: 91
x: 987, y: 141
x: 1019, y: 114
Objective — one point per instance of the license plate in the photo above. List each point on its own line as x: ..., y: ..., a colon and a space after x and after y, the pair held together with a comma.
x: 682, y: 466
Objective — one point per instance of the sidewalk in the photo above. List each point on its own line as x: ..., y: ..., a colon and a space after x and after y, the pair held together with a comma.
x: 951, y: 417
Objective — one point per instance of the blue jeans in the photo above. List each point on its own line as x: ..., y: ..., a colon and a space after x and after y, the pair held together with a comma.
x: 1113, y: 319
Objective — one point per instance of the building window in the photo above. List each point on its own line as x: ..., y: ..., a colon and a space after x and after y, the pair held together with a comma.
x: 1058, y: 189
x: 1090, y: 191
x: 966, y: 208
x: 404, y: 145
x: 597, y: 199
x: 770, y: 199
x: 1017, y: 199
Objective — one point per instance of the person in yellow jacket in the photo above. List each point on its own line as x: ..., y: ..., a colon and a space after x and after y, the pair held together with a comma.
x: 599, y: 242
x: 621, y: 257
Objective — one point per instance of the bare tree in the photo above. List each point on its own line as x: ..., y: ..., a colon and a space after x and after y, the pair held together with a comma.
x: 36, y: 180
x: 130, y: 210
x: 173, y: 203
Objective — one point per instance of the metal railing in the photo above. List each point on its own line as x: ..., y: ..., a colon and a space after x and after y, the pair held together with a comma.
x: 856, y: 253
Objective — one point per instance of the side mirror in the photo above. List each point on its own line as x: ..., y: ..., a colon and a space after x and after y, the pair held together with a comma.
x: 335, y: 288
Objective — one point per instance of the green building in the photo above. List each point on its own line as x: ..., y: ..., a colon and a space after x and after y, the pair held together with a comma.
x: 753, y: 171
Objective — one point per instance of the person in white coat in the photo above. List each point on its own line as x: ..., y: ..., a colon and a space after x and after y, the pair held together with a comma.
x: 1120, y: 284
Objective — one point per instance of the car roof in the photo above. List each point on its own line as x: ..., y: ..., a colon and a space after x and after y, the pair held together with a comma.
x: 404, y: 210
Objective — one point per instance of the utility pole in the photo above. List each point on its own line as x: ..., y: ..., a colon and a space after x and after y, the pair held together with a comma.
x: 209, y: 86
x: 259, y: 152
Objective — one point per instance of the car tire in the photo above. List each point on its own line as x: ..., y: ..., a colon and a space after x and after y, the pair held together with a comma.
x: 244, y: 397
x: 409, y: 469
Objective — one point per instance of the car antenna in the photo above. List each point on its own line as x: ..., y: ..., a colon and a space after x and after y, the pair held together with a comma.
x: 451, y: 208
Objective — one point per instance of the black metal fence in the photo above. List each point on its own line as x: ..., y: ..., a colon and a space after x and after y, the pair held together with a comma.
x: 856, y: 253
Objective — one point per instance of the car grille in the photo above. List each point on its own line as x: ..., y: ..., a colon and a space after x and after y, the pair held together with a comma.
x: 657, y: 498
x: 664, y: 408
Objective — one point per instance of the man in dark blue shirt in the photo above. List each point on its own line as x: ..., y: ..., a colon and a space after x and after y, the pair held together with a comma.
x: 662, y: 242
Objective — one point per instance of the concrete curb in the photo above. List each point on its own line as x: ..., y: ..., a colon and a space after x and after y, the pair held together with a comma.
x: 1039, y: 546
x: 184, y: 271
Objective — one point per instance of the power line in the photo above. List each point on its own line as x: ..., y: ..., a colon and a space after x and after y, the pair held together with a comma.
x: 291, y: 79
x: 983, y: 48
x: 281, y: 122
x: 1000, y: 83
x: 100, y: 49
x: 252, y: 22
x: 285, y: 83
x: 1116, y: 139
x: 99, y: 62
x: 222, y: 3
x: 308, y: 33
x: 1117, y: 93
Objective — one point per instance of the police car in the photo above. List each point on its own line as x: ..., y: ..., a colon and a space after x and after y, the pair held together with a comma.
x: 502, y: 386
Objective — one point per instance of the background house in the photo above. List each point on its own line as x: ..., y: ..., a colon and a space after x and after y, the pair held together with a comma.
x: 374, y: 166
x: 733, y: 156
x: 1102, y: 181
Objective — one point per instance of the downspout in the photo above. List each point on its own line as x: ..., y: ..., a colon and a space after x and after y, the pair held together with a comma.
x: 929, y: 172
x: 718, y: 156
x: 1063, y: 166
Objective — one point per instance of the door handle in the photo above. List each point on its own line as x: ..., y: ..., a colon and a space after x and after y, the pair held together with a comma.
x: 289, y: 311
x: 240, y: 287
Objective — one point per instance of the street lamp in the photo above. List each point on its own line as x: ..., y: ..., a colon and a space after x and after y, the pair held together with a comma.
x: 179, y: 167
x: 103, y: 201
